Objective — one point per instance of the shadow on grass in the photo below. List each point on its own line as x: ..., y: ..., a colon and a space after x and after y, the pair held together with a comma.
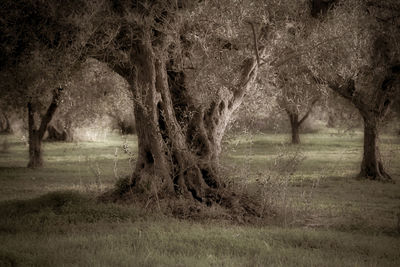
x: 58, y: 210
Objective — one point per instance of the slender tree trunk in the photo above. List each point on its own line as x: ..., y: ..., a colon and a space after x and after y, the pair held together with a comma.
x: 35, y: 151
x: 36, y: 134
x: 35, y: 143
x: 295, y: 127
x: 296, y: 121
x: 372, y: 166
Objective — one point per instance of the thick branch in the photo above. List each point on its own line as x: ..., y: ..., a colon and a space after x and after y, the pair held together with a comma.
x: 348, y: 91
x: 292, y: 55
x: 31, y: 118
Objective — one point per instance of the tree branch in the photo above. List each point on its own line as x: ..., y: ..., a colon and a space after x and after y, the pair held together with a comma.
x: 50, y: 112
x: 255, y: 42
x: 303, y: 51
x: 309, y: 111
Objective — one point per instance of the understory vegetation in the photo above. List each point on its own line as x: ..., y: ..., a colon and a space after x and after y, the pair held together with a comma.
x: 316, y: 212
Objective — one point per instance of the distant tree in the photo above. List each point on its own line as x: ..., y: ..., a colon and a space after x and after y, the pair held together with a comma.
x: 94, y: 93
x: 293, y: 101
x: 298, y: 92
x: 5, y: 124
x: 35, y: 61
x: 361, y: 63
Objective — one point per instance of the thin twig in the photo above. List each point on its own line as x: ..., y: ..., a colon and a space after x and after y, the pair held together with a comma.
x: 293, y: 55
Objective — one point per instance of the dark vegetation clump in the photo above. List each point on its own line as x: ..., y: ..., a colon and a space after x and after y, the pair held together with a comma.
x: 58, y: 210
x: 229, y: 204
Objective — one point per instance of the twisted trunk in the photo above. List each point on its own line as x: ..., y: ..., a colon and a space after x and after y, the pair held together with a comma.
x: 178, y: 142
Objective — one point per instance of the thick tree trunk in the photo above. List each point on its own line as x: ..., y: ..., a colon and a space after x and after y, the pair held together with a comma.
x: 178, y: 142
x: 36, y: 134
x: 295, y: 127
x: 372, y: 166
x: 169, y: 161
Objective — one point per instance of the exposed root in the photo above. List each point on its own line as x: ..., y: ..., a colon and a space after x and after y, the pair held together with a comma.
x: 219, y: 205
x: 381, y: 176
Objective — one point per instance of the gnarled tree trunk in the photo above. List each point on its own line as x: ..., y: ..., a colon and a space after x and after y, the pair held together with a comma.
x: 36, y: 133
x: 178, y: 142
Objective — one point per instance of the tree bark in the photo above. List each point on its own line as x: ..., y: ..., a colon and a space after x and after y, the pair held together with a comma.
x: 35, y: 143
x: 178, y: 142
x: 295, y: 127
x: 296, y: 122
x: 36, y: 134
x: 372, y: 166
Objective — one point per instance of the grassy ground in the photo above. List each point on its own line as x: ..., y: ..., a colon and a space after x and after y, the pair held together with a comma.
x: 50, y: 217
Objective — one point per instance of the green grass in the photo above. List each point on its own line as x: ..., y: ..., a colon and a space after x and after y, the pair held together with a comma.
x: 84, y: 166
x: 50, y: 217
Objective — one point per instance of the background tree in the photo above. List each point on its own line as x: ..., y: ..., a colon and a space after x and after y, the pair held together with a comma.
x: 36, y: 58
x: 361, y: 64
x: 95, y: 93
x: 298, y: 92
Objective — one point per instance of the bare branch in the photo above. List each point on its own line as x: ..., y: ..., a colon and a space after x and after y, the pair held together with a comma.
x: 303, y: 51
x: 255, y: 42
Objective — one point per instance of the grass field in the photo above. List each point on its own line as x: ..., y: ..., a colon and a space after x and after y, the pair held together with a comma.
x: 50, y: 217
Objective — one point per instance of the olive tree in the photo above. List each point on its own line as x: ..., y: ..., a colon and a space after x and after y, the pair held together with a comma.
x: 37, y: 55
x: 361, y: 63
x: 188, y: 65
x: 95, y: 93
x: 185, y: 87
